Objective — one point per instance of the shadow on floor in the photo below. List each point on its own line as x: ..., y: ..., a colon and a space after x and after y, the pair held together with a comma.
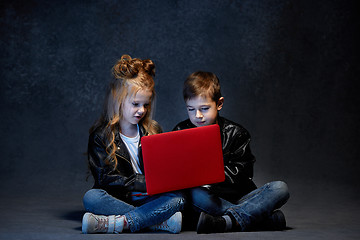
x: 73, y: 215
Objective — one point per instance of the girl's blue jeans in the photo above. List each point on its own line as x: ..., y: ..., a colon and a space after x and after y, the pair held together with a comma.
x: 151, y: 210
x: 253, y: 208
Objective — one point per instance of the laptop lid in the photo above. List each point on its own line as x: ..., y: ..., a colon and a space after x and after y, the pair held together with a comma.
x: 182, y: 159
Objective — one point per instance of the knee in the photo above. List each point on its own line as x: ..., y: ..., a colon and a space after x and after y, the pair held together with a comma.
x: 92, y: 197
x: 281, y: 188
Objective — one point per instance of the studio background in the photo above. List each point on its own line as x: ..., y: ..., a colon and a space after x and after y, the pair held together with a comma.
x: 289, y: 72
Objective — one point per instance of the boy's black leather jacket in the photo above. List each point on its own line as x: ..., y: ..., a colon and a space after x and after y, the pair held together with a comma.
x: 238, y: 160
x: 118, y: 182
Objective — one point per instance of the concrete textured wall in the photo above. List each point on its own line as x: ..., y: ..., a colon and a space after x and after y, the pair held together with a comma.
x: 289, y: 72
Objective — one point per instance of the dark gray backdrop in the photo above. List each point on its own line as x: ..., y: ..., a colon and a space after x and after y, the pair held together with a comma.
x: 289, y: 72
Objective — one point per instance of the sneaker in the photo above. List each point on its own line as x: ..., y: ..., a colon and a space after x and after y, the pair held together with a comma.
x: 276, y: 221
x: 173, y: 224
x: 210, y: 224
x: 92, y: 223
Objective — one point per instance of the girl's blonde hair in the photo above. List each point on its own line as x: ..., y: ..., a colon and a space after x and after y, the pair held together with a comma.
x: 130, y: 76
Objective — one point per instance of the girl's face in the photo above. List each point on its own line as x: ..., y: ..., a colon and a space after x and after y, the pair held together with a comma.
x: 203, y: 111
x: 135, y: 107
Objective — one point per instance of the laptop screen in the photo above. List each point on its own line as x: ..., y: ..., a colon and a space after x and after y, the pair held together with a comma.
x: 182, y: 159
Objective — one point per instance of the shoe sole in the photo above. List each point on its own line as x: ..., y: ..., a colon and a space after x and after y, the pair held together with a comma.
x: 85, y: 222
x: 177, y: 217
x: 201, y: 220
x: 280, y: 218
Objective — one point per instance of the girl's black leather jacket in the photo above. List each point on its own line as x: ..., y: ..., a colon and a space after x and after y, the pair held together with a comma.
x: 238, y: 160
x: 119, y: 182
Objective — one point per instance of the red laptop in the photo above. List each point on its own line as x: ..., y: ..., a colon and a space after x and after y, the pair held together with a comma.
x: 182, y: 159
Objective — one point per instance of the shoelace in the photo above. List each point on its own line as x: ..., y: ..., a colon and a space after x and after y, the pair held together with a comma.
x: 103, y: 224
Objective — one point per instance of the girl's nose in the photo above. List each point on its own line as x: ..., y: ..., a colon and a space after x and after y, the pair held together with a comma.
x: 141, y: 109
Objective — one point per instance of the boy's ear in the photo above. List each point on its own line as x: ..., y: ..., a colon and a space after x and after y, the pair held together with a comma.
x: 220, y: 103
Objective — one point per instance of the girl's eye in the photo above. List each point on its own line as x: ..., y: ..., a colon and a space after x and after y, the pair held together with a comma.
x: 135, y: 104
x: 146, y: 105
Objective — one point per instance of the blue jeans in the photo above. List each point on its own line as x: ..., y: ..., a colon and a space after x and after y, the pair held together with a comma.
x: 253, y: 208
x: 150, y: 210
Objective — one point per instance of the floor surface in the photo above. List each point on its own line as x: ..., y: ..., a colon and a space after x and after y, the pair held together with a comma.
x: 329, y: 214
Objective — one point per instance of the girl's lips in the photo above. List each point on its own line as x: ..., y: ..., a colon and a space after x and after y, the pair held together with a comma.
x: 138, y: 117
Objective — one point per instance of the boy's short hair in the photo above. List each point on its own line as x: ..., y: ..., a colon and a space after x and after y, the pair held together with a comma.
x: 202, y: 84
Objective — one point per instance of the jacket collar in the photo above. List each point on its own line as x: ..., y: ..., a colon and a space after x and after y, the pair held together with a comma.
x: 221, y: 122
x: 142, y: 132
x: 123, y: 151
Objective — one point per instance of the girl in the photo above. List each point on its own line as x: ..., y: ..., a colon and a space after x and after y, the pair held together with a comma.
x: 117, y: 201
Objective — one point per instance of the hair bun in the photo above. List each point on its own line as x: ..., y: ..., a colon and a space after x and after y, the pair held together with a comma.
x: 128, y: 67
x: 149, y: 67
x: 123, y: 68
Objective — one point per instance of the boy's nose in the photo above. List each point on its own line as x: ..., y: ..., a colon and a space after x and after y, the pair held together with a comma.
x: 198, y: 114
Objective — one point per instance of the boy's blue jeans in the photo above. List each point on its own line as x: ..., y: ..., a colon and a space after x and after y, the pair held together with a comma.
x: 253, y: 208
x: 151, y: 210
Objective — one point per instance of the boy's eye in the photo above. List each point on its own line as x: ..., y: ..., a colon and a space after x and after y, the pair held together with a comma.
x: 190, y: 109
x: 204, y: 108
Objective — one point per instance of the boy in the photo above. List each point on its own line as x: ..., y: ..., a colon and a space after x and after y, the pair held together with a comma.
x: 235, y: 204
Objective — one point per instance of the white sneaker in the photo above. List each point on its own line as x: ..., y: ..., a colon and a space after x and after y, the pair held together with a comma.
x: 173, y: 224
x: 92, y: 223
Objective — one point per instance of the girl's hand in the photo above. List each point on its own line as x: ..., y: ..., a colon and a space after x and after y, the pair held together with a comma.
x: 136, y: 183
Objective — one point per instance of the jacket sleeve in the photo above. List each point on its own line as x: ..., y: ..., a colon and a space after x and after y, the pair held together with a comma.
x: 238, y: 159
x: 105, y: 176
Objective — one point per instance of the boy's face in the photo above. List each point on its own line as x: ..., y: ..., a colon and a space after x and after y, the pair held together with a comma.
x: 203, y: 110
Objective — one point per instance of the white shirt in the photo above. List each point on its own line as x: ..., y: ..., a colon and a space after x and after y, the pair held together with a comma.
x: 132, y: 145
